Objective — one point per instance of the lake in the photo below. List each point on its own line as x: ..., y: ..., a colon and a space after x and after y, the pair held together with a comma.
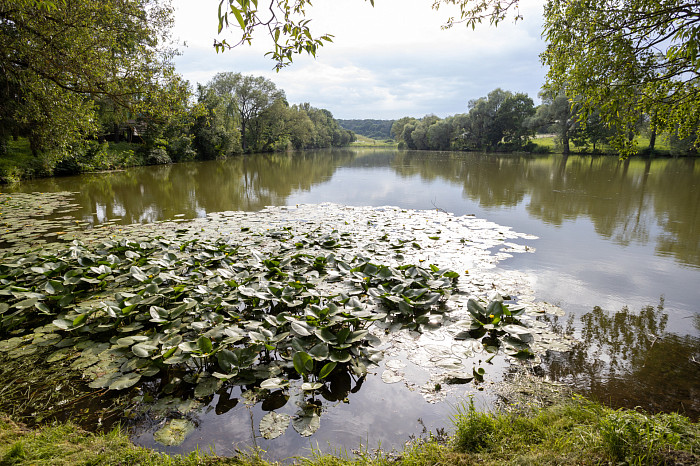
x: 618, y: 251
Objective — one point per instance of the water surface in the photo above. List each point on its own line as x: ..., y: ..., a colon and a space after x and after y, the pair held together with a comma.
x: 619, y: 251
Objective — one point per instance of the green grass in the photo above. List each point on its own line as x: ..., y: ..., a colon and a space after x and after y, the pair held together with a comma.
x: 572, y: 431
x: 661, y: 147
x: 363, y: 141
x: 575, y: 432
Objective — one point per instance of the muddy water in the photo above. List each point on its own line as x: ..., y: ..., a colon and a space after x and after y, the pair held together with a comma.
x: 618, y: 251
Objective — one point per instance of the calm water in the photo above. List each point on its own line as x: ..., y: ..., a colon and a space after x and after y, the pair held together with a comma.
x: 619, y: 251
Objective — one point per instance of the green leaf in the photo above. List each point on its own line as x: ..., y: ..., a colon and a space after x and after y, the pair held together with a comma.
x: 174, y: 432
x: 273, y: 383
x: 306, y: 422
x: 303, y: 363
x: 237, y: 13
x: 311, y: 386
x: 79, y: 320
x: 340, y: 356
x: 204, y: 344
x: 125, y: 381
x: 326, y: 335
x: 207, y: 387
x: 143, y: 350
x: 327, y: 369
x: 301, y: 328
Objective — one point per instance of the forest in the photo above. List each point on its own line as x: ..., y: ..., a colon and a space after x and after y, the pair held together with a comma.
x: 375, y: 129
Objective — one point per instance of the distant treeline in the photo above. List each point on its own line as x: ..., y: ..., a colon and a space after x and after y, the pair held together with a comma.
x: 504, y: 121
x: 375, y: 129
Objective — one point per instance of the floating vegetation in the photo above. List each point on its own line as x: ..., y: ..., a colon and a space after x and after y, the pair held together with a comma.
x: 174, y: 432
x: 276, y: 302
x: 26, y: 219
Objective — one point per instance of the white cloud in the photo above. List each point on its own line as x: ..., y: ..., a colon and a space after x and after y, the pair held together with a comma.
x: 386, y: 62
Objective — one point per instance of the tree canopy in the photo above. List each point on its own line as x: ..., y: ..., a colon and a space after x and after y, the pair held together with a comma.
x: 627, y: 59
x: 62, y: 61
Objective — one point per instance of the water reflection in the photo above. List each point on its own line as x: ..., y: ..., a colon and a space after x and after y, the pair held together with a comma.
x: 628, y: 359
x: 636, y: 201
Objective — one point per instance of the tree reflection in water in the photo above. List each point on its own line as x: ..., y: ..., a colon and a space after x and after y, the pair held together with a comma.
x: 628, y: 359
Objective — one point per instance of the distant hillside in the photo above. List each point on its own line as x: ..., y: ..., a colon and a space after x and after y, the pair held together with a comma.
x: 375, y: 129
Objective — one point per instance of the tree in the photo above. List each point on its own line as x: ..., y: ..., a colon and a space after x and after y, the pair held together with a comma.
x: 249, y: 97
x: 62, y: 61
x: 556, y: 115
x: 498, y: 120
x: 627, y: 58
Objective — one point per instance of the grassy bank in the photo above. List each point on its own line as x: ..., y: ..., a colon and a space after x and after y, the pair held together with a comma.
x: 364, y: 141
x: 662, y: 147
x: 573, y: 431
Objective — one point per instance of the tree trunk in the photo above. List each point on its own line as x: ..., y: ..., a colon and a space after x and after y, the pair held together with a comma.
x: 243, y: 141
x: 652, y: 139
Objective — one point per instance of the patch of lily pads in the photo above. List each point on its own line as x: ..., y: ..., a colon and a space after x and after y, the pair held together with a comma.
x: 277, y: 301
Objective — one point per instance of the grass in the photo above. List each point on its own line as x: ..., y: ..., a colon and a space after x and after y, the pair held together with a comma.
x: 662, y: 146
x: 572, y: 431
x: 364, y: 141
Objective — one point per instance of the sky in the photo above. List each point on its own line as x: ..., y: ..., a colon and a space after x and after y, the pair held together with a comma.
x: 385, y: 62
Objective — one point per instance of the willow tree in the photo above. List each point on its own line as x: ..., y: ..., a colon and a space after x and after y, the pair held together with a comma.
x: 248, y: 97
x: 62, y: 60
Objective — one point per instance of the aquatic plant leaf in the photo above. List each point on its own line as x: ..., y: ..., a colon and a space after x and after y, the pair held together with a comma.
x: 301, y: 328
x: 272, y: 425
x: 204, y: 344
x: 125, y: 381
x: 356, y: 336
x: 303, y: 363
x: 319, y: 352
x: 144, y: 350
x: 310, y: 386
x: 59, y: 355
x: 207, y: 387
x: 340, y: 356
x: 10, y: 344
x: 516, y: 329
x: 174, y: 432
x: 306, y: 422
x: 274, y: 383
x: 327, y: 369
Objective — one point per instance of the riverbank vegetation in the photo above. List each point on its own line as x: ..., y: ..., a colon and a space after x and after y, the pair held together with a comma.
x: 108, y: 77
x: 574, y: 431
x: 374, y: 129
x: 504, y: 121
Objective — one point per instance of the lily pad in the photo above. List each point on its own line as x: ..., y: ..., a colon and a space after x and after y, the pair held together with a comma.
x: 306, y: 422
x: 174, y: 432
x: 391, y: 376
x: 272, y: 425
x: 125, y: 381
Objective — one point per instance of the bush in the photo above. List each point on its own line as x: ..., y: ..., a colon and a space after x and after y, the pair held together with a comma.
x: 158, y: 156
